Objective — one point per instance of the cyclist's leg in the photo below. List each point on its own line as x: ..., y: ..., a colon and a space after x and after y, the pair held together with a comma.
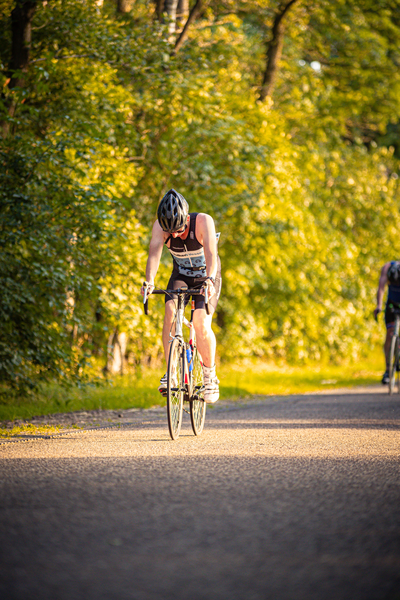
x: 206, y: 345
x: 206, y: 342
x: 174, y: 283
x: 168, y: 319
x: 389, y: 321
x: 388, y: 341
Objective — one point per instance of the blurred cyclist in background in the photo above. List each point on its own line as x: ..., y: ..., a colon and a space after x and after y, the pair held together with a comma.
x: 390, y: 276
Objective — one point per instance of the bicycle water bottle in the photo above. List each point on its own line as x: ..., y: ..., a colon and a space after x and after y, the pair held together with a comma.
x: 189, y: 357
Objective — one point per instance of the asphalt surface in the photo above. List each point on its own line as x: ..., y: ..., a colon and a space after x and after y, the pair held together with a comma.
x: 280, y: 498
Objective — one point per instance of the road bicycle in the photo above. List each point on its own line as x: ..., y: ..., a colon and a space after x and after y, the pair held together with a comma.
x: 394, y: 356
x: 185, y: 380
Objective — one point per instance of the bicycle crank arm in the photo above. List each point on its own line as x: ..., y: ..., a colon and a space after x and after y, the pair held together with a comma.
x: 196, y: 397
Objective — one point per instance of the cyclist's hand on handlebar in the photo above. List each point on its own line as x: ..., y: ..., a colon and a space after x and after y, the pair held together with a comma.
x: 149, y: 287
x: 210, y: 288
x: 376, y: 313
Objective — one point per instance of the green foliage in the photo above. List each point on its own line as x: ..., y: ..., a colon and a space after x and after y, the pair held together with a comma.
x: 108, y: 118
x: 49, y: 225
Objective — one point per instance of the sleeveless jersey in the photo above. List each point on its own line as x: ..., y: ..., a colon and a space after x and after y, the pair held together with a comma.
x: 188, y: 255
x: 393, y: 291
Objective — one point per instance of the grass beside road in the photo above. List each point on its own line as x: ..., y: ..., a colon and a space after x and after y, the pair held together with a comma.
x: 242, y: 380
x: 264, y: 379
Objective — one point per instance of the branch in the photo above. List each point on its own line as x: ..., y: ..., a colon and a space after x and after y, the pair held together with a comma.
x: 184, y: 33
x: 274, y: 52
x: 65, y: 57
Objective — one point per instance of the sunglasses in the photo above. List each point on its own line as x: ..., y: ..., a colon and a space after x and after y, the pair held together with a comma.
x: 181, y: 230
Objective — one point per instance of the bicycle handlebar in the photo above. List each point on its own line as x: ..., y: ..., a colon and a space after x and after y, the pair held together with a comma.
x: 184, y: 290
x: 394, y: 309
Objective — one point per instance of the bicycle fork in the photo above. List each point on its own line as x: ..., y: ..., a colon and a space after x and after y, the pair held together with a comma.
x: 396, y: 326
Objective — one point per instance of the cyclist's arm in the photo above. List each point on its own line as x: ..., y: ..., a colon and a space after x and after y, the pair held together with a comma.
x: 381, y: 287
x: 207, y: 237
x: 155, y: 251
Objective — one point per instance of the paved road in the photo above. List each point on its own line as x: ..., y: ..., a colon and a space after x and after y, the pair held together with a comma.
x: 282, y: 498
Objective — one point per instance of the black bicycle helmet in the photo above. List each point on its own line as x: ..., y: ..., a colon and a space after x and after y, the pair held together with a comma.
x: 393, y: 273
x: 172, y: 211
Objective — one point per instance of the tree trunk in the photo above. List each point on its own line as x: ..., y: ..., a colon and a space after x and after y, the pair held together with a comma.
x: 159, y: 9
x: 21, y: 36
x: 171, y: 9
x: 21, y: 29
x: 192, y: 17
x: 124, y: 6
x: 182, y: 12
x: 116, y: 348
x: 274, y: 51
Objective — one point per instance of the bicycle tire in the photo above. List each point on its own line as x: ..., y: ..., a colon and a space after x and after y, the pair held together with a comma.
x: 175, y: 388
x: 197, y: 404
x: 398, y: 373
x: 393, y: 362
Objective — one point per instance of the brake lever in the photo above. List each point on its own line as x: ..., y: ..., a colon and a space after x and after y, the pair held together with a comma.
x: 206, y: 299
x: 145, y: 299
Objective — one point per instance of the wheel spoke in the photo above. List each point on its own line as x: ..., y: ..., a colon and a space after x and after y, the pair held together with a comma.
x: 197, y: 405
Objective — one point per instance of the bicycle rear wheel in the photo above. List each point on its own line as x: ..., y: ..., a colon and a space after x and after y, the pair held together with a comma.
x: 175, y: 388
x: 197, y: 404
x: 393, y: 363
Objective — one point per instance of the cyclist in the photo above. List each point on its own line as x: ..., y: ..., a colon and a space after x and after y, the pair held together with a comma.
x: 192, y: 242
x: 390, y: 276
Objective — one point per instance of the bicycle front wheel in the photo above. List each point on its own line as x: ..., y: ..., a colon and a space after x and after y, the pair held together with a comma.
x: 393, y: 363
x: 197, y: 404
x: 175, y: 388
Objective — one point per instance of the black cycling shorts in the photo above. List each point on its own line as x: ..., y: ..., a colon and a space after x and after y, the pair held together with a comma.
x: 177, y: 279
x: 389, y: 313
